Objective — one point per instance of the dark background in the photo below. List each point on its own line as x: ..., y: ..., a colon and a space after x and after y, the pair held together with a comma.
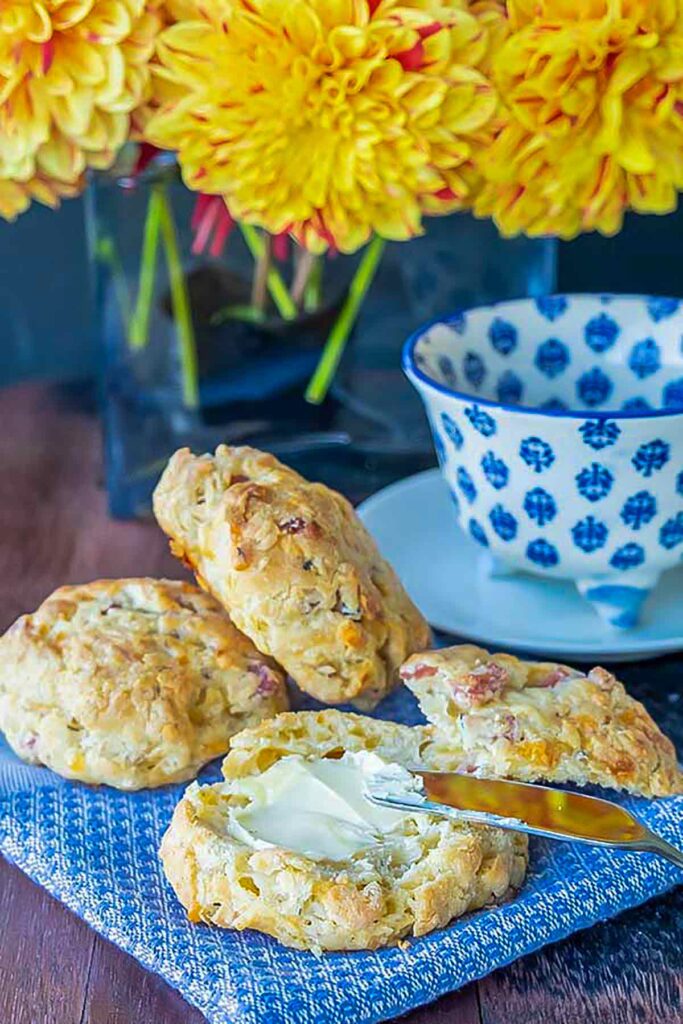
x: 46, y: 323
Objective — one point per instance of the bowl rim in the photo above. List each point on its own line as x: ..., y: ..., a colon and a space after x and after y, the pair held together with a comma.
x: 411, y: 369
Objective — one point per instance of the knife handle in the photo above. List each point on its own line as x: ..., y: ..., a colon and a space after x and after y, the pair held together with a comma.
x: 655, y: 844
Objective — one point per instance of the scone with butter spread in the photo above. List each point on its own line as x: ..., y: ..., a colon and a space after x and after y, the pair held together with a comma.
x: 289, y: 845
x: 294, y: 567
x: 133, y: 683
x: 495, y: 715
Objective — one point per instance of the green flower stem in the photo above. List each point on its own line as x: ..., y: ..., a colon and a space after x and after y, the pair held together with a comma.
x: 276, y: 286
x: 107, y: 253
x: 138, y: 334
x: 323, y: 375
x: 247, y: 314
x: 180, y: 302
x: 259, y: 284
x: 313, y: 291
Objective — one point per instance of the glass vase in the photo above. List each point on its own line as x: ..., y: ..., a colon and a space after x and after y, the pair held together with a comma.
x: 187, y: 362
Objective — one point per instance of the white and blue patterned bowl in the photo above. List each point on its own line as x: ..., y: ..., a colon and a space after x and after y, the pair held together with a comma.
x: 558, y: 423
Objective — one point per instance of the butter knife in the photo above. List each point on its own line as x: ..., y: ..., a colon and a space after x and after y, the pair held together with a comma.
x: 523, y: 807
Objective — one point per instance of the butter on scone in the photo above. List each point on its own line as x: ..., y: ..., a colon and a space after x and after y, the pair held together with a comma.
x: 133, y: 683
x: 496, y: 715
x: 294, y: 567
x: 288, y: 846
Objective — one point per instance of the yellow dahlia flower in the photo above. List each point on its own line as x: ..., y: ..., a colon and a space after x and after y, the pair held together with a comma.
x: 593, y: 115
x: 168, y: 13
x: 329, y: 119
x: 16, y: 196
x: 71, y: 72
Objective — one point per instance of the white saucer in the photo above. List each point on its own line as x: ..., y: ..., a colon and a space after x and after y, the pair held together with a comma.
x: 414, y: 524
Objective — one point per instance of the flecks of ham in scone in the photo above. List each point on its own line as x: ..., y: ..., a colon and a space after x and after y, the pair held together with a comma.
x: 29, y: 741
x: 555, y: 676
x: 471, y: 689
x: 511, y: 729
x: 297, y: 524
x: 602, y: 678
x: 480, y: 686
x: 268, y: 681
x: 417, y: 671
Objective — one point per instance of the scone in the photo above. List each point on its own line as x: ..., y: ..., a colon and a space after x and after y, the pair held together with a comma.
x: 424, y: 873
x: 496, y: 715
x: 132, y: 683
x: 294, y: 567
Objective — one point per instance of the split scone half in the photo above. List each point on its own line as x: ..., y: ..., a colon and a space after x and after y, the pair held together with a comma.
x: 133, y: 683
x: 424, y: 871
x: 294, y: 567
x: 495, y: 715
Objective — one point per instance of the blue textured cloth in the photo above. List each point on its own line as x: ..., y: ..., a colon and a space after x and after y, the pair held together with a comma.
x: 96, y: 851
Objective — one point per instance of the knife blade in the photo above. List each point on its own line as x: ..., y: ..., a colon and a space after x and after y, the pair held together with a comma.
x: 525, y: 807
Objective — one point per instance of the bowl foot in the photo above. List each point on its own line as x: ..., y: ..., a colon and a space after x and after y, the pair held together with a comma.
x: 618, y: 604
x: 496, y: 568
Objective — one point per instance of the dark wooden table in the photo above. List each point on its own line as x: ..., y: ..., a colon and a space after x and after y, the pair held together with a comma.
x: 55, y: 970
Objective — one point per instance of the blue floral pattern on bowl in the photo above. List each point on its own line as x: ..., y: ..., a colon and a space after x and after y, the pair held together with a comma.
x: 563, y: 448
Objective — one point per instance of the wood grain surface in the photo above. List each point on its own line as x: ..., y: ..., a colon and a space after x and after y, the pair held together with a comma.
x: 55, y: 970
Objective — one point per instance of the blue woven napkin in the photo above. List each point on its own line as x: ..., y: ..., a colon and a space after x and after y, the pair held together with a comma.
x: 96, y: 851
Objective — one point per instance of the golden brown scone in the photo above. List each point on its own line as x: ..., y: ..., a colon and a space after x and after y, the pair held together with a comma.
x: 295, y: 568
x: 430, y: 872
x: 133, y: 683
x: 496, y: 715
